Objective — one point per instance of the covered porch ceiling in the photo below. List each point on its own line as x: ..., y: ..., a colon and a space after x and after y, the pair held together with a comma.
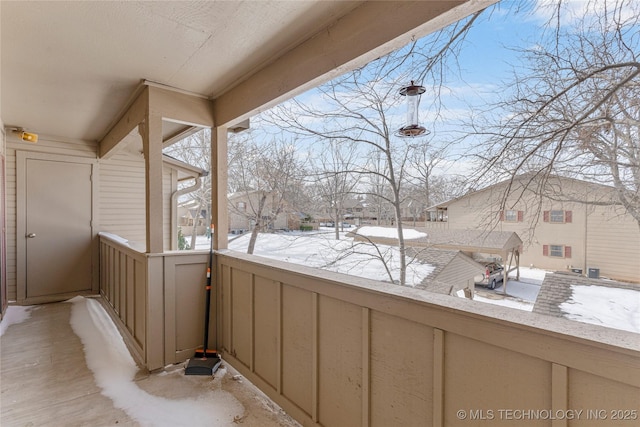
x: 71, y: 69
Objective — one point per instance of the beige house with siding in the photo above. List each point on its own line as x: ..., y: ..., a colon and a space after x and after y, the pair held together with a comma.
x: 243, y: 207
x: 565, y: 225
x: 329, y: 348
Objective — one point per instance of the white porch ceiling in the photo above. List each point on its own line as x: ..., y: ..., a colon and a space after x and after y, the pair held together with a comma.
x: 69, y: 68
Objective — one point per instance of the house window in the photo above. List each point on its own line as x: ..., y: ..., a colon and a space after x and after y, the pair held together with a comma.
x: 512, y: 216
x: 556, y: 251
x: 558, y: 216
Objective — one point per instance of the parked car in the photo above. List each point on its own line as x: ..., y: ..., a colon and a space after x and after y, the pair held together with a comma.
x: 493, y: 274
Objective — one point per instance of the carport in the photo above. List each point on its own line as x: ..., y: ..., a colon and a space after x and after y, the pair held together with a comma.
x: 506, y: 244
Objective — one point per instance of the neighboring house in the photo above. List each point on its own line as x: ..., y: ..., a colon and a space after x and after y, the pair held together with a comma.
x: 243, y: 207
x: 565, y: 225
x: 190, y: 212
x: 354, y: 211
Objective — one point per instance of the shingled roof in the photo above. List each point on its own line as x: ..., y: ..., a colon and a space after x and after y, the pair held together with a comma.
x: 470, y: 240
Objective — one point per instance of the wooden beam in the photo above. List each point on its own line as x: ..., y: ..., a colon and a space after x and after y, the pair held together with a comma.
x: 371, y: 30
x: 132, y: 118
x: 181, y: 108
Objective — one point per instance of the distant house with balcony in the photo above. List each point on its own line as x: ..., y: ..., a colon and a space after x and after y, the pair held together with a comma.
x: 191, y: 213
x: 565, y: 224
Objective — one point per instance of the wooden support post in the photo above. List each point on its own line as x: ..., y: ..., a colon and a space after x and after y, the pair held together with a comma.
x: 505, y: 271
x: 219, y: 208
x: 152, y: 149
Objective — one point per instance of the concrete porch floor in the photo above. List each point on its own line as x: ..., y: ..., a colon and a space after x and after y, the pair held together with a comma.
x: 45, y: 381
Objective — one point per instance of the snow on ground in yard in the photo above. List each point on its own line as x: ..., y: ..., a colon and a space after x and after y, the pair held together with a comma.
x: 14, y: 314
x: 114, y: 370
x: 530, y: 275
x: 317, y: 249
x: 392, y: 233
x: 601, y: 305
x: 321, y: 250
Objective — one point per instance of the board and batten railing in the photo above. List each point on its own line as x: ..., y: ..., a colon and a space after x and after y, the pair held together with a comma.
x: 337, y: 350
x: 156, y: 300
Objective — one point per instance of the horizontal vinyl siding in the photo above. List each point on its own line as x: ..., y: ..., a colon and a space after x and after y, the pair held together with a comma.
x: 613, y: 245
x: 122, y: 199
x: 44, y: 145
x: 121, y: 203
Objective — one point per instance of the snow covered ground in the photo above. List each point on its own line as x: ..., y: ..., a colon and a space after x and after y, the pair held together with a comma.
x: 114, y: 370
x: 600, y: 305
x: 321, y: 250
x: 620, y: 310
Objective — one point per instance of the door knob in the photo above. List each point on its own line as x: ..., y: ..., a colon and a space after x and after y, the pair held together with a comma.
x: 31, y: 235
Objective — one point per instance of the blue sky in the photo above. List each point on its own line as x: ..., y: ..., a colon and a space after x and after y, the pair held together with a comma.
x: 486, y: 61
x: 485, y: 57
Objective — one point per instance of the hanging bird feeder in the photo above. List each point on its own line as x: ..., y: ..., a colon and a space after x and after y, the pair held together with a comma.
x: 412, y: 128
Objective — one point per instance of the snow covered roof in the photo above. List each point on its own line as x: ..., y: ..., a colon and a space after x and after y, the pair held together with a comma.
x: 474, y: 240
x: 463, y: 240
x: 596, y: 301
x: 185, y: 169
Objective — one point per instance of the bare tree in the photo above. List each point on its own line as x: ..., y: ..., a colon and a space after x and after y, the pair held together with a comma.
x: 358, y: 113
x: 334, y: 178
x: 269, y: 175
x: 574, y: 109
x: 423, y: 188
x: 195, y: 150
x: 377, y: 190
x: 363, y: 107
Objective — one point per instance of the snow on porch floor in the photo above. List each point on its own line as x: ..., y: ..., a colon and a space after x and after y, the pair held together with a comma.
x: 45, y: 379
